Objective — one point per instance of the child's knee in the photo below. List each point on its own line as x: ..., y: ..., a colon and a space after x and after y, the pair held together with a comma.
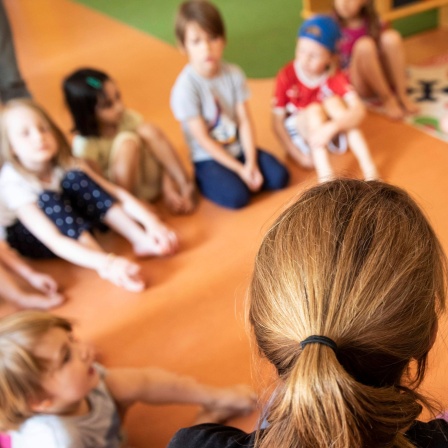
x: 365, y: 47
x: 390, y: 39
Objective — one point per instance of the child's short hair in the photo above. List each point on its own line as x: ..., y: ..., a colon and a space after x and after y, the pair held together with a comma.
x: 323, y: 29
x: 21, y: 370
x: 202, y: 12
x: 82, y: 89
x: 63, y: 155
x: 356, y: 262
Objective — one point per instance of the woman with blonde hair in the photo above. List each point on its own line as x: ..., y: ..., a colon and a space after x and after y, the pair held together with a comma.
x: 344, y: 302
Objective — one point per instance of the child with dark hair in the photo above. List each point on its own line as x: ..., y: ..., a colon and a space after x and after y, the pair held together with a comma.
x: 121, y: 146
x: 210, y: 98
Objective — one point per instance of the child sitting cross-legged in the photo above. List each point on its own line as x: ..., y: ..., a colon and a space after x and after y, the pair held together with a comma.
x: 210, y: 98
x: 53, y: 395
x: 315, y: 107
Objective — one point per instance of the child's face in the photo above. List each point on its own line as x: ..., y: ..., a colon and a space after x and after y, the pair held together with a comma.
x: 312, y: 57
x: 71, y: 375
x: 204, y: 51
x: 30, y: 137
x: 349, y: 9
x: 109, y: 108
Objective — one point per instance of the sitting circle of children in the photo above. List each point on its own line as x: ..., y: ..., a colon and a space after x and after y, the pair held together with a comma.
x: 54, y: 197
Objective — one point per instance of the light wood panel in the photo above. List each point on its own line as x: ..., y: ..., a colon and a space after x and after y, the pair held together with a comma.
x: 385, y: 8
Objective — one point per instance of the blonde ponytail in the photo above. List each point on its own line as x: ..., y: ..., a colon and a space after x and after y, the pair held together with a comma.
x: 356, y: 262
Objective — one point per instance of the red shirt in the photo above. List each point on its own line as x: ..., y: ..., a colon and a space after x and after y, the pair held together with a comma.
x: 292, y: 94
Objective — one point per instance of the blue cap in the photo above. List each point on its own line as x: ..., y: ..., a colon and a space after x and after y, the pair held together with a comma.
x: 322, y: 29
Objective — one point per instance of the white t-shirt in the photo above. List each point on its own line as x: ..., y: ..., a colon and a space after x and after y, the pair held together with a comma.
x: 17, y: 190
x: 215, y: 100
x: 100, y: 428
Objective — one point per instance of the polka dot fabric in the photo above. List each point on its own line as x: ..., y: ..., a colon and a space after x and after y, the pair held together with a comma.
x: 80, y: 206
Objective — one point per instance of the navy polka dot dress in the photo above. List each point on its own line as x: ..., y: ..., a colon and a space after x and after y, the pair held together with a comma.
x: 79, y: 207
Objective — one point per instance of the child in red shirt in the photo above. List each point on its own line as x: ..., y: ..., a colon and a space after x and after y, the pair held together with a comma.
x: 315, y: 107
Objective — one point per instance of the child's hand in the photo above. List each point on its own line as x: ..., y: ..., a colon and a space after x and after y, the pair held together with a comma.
x: 43, y: 283
x: 228, y: 403
x: 252, y: 177
x: 179, y: 200
x: 322, y: 136
x: 122, y: 272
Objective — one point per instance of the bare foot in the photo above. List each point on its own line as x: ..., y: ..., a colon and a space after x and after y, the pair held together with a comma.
x: 409, y: 106
x: 392, y: 108
x: 229, y: 403
x: 179, y: 199
x: 157, y: 241
x: 39, y: 301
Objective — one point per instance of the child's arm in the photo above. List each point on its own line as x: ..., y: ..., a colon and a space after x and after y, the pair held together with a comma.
x: 40, y: 281
x: 181, y: 194
x: 251, y: 173
x: 157, y: 386
x: 199, y: 131
x: 344, y: 114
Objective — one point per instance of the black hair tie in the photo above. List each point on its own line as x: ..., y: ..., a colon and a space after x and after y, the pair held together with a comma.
x: 315, y: 339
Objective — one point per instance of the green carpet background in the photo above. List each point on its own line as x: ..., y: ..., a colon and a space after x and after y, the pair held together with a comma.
x: 260, y: 33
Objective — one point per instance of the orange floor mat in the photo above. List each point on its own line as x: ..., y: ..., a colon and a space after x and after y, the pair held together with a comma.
x: 191, y: 317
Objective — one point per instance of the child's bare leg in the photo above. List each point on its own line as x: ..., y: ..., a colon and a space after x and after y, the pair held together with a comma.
x: 315, y: 118
x: 154, y: 241
x: 11, y: 292
x: 367, y: 76
x: 360, y: 149
x: 125, y: 163
x: 163, y: 151
x: 394, y: 60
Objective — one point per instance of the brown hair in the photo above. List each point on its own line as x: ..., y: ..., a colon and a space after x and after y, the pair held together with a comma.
x: 359, y: 263
x: 202, y: 12
x: 370, y: 15
x: 62, y: 158
x: 20, y: 370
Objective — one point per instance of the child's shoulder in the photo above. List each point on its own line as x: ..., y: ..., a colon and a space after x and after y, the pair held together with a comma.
x: 49, y: 431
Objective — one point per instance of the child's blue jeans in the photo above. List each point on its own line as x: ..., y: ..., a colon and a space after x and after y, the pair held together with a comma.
x: 225, y: 188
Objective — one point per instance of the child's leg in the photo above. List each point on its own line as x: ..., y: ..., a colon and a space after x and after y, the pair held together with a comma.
x: 221, y: 185
x: 335, y: 107
x: 181, y: 188
x: 367, y: 76
x: 310, y: 122
x: 12, y: 292
x: 275, y: 175
x: 360, y: 149
x: 96, y: 205
x: 125, y: 159
x: 394, y: 60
